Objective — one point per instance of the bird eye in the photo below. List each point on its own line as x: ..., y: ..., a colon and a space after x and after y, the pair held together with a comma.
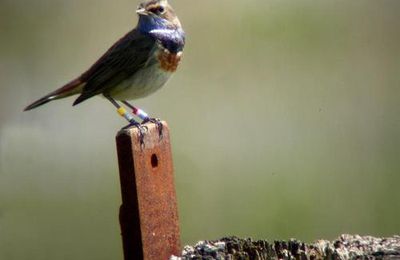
x: 157, y: 10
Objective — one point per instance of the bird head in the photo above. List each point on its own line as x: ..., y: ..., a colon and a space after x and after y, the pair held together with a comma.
x: 156, y: 15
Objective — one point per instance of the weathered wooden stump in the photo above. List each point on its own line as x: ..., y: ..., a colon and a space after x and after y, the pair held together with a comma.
x: 343, y: 248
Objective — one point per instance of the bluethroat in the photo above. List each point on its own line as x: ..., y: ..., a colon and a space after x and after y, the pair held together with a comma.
x: 137, y: 65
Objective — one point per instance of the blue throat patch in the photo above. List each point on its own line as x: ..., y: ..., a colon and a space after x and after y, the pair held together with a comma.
x: 171, y: 38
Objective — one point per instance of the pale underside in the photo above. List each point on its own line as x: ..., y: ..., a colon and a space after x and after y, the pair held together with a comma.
x: 144, y: 82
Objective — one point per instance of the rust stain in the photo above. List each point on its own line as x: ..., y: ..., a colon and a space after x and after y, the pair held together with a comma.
x: 169, y: 61
x: 149, y: 213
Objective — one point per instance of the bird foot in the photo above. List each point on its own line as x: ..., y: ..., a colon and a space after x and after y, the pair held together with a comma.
x: 142, y: 130
x: 158, y: 124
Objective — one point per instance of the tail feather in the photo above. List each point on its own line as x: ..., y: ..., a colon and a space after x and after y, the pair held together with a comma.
x: 40, y: 102
x: 72, y: 88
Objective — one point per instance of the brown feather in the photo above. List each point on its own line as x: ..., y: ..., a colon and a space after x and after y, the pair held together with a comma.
x: 72, y: 88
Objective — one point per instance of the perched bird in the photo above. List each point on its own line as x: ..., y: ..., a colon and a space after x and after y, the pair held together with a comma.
x: 135, y: 66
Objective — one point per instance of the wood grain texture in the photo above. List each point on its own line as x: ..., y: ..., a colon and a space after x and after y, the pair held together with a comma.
x: 346, y: 247
x: 148, y: 215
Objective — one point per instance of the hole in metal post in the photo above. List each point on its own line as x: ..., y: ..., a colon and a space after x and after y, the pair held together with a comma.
x: 154, y: 161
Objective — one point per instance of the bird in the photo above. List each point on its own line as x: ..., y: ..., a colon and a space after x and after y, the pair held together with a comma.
x: 137, y: 65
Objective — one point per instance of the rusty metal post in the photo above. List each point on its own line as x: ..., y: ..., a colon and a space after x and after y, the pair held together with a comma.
x: 148, y: 214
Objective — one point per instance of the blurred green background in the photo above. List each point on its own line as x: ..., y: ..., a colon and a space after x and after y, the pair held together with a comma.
x: 285, y: 120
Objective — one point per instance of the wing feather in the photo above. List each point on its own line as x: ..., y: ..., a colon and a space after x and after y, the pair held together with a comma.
x: 120, y: 62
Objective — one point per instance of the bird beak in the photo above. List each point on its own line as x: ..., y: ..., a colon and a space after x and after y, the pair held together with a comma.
x: 141, y: 11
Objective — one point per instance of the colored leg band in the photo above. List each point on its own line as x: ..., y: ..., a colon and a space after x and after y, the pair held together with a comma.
x: 140, y: 113
x: 122, y: 112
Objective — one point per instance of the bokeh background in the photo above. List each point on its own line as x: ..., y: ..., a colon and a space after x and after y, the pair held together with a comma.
x: 285, y: 120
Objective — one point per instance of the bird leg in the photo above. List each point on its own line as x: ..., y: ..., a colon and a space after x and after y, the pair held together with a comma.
x: 132, y: 122
x: 145, y: 117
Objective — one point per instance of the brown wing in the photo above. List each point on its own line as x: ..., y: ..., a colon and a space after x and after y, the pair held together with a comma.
x: 120, y: 62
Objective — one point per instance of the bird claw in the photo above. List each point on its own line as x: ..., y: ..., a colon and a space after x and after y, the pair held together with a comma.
x: 142, y: 130
x: 158, y: 124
